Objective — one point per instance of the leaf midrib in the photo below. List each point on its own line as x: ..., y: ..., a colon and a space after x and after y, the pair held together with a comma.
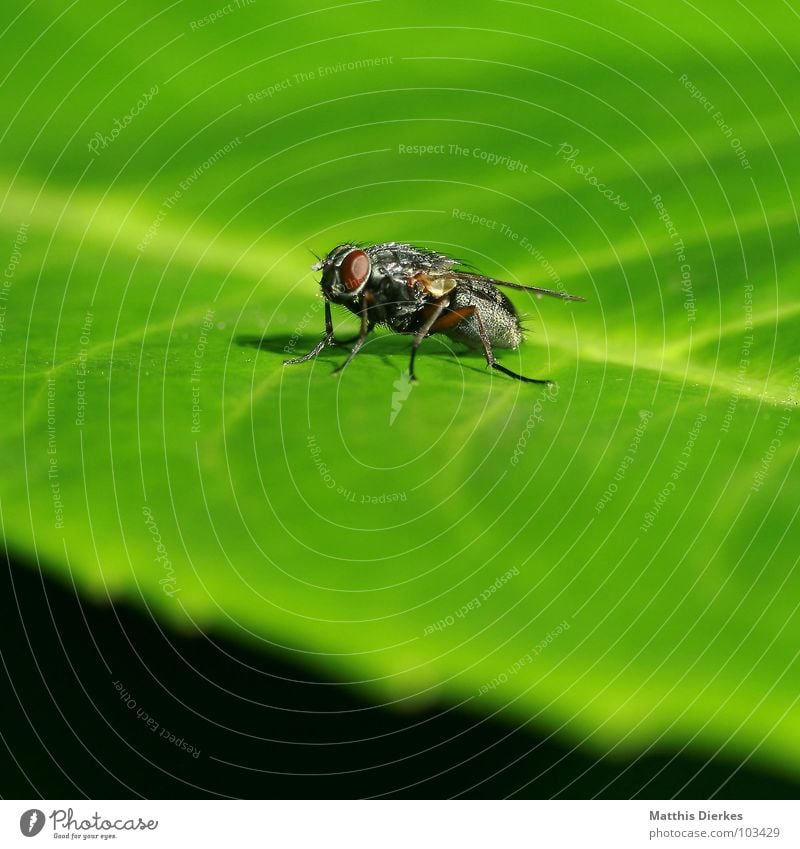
x: 176, y: 243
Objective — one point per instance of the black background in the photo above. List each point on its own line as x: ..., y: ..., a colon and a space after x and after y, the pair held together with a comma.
x: 68, y: 734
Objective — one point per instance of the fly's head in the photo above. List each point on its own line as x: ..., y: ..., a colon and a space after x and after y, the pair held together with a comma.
x: 345, y: 272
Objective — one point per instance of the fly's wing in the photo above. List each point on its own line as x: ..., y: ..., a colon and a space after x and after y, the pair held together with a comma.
x: 438, y: 273
x: 468, y: 277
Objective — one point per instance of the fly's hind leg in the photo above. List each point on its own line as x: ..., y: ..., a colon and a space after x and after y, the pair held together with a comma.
x: 491, y: 359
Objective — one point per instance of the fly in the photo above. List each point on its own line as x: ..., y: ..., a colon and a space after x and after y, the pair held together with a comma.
x: 419, y: 292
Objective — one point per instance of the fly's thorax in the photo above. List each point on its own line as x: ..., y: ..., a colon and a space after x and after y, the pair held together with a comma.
x: 396, y: 300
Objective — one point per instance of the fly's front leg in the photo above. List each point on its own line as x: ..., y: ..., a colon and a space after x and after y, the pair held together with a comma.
x: 439, y: 306
x: 323, y: 343
x: 490, y: 357
x: 366, y: 326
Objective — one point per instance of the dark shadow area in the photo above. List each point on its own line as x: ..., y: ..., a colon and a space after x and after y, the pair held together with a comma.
x: 382, y: 345
x: 378, y: 345
x: 264, y: 727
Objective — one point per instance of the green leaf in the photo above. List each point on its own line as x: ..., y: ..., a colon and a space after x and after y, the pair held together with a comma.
x: 612, y: 558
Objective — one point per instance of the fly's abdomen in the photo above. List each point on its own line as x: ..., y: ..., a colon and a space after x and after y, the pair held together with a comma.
x: 497, y: 314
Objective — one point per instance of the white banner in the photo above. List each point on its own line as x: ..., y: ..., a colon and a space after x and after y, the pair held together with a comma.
x: 401, y: 824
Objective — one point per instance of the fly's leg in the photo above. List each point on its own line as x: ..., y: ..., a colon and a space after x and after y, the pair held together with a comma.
x: 439, y: 307
x: 366, y: 326
x: 350, y: 340
x: 490, y: 357
x: 323, y: 343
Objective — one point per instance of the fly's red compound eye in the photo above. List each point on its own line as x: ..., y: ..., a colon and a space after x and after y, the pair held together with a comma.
x: 355, y: 270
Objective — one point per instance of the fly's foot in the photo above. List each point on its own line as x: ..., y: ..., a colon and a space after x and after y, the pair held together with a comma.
x: 323, y: 343
x: 521, y: 377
